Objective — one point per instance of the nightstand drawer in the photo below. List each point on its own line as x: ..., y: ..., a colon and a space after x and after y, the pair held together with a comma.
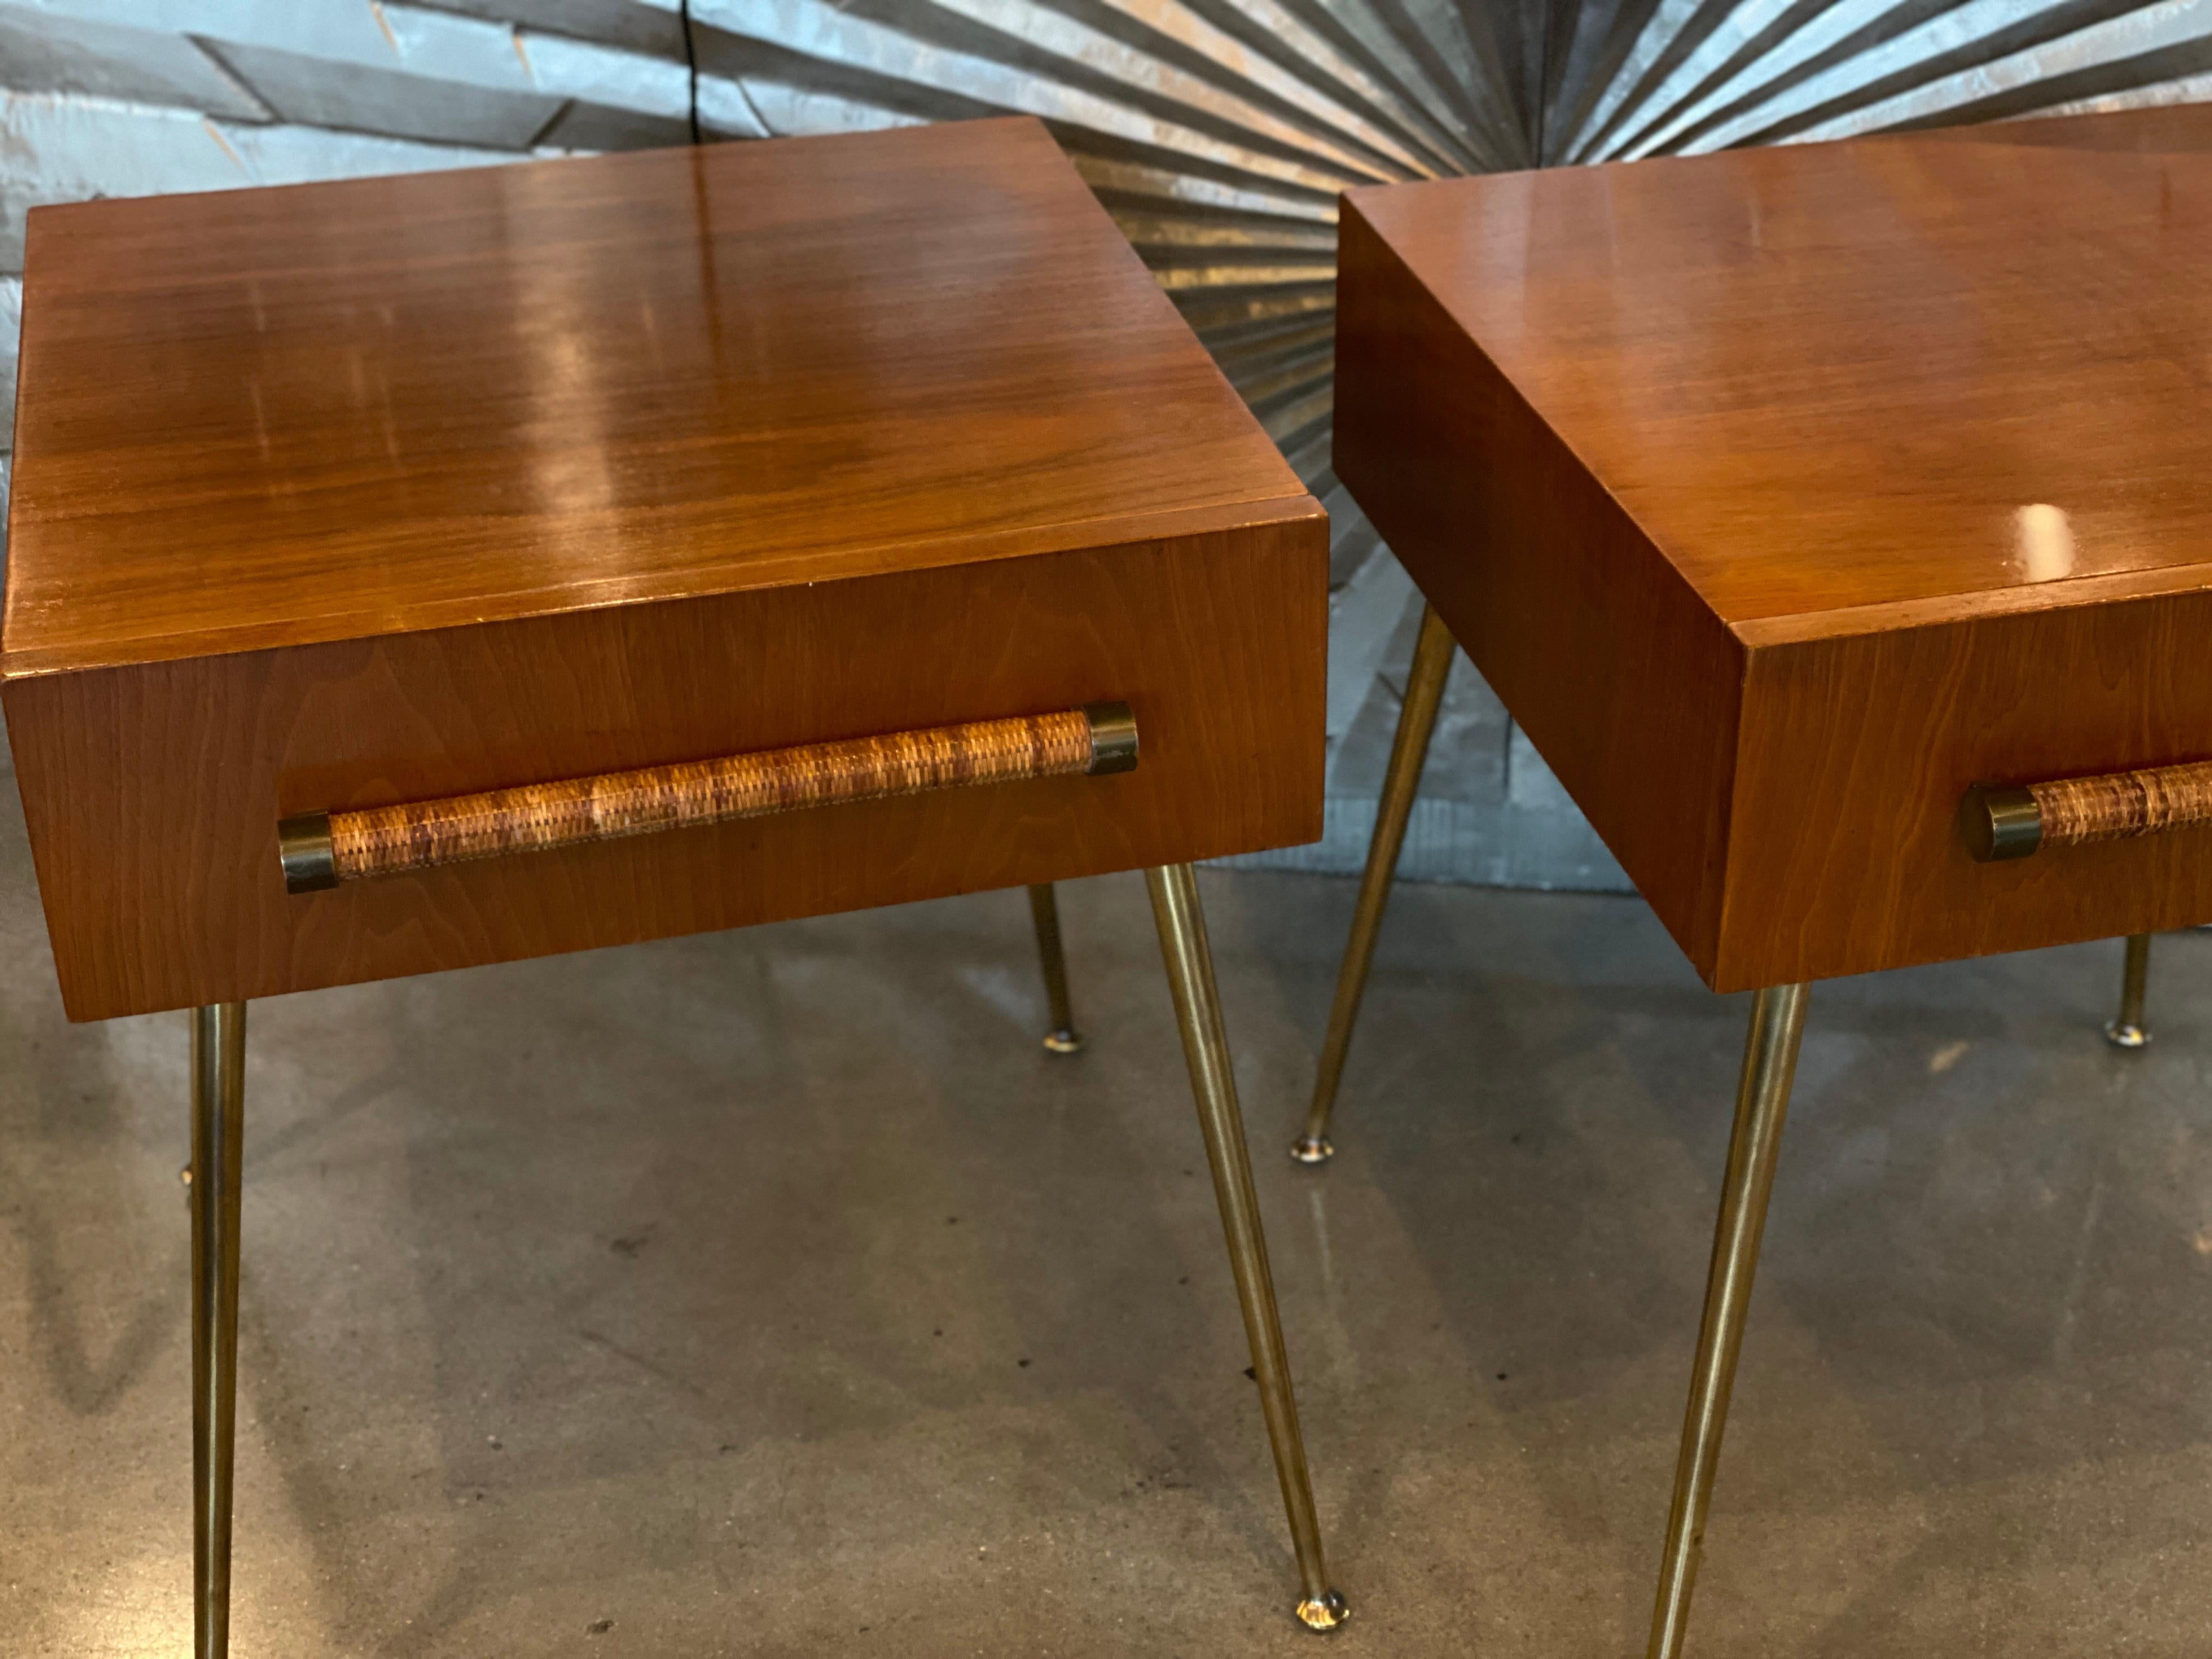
x: 153, y: 793
x: 1857, y: 750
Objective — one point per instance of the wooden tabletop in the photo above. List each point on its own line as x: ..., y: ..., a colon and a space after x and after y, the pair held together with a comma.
x: 1833, y: 376
x: 369, y: 407
x: 1784, y: 493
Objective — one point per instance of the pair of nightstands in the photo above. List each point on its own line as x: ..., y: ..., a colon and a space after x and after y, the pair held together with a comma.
x: 413, y: 574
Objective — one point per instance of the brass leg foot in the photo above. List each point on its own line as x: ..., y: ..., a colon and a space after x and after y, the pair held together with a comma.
x: 218, y: 1124
x: 1044, y: 911
x: 2127, y: 1031
x: 1324, y: 1612
x: 1205, y: 1048
x: 1409, y: 749
x: 1770, y: 1060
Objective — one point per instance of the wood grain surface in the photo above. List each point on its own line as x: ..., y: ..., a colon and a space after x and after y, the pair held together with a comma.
x: 1783, y: 495
x: 326, y: 411
x: 1858, y: 750
x: 1827, y: 376
x: 153, y: 794
x: 365, y: 493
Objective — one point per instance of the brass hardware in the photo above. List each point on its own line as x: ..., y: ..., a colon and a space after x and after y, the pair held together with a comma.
x: 1770, y: 1060
x: 1189, y: 963
x: 305, y: 852
x: 319, y: 850
x: 1113, y: 737
x: 1999, y: 821
x: 1323, y: 1612
x: 218, y: 1127
x: 1044, y: 913
x: 1409, y: 750
x: 2012, y: 821
x: 2128, y: 1031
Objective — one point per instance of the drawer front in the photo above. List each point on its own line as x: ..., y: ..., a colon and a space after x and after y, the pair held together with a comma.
x: 1846, y: 852
x: 153, y: 794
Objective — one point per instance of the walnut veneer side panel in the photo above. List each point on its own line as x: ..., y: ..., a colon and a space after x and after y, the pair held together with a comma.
x: 1847, y: 856
x: 1625, y: 682
x: 153, y: 793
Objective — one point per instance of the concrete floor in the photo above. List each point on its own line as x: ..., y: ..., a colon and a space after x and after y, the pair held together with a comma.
x: 774, y: 1293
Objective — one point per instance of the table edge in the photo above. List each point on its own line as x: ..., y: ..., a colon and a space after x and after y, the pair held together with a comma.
x: 30, y: 662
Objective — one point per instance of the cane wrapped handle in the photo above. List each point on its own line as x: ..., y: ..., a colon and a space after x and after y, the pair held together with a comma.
x: 2010, y: 820
x: 322, y: 849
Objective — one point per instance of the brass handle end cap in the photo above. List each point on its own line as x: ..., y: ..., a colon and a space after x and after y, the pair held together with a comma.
x: 1113, y: 737
x: 303, y: 848
x: 2000, y: 821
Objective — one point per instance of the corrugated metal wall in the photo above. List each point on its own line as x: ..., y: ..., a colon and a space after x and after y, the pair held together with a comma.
x: 1217, y: 133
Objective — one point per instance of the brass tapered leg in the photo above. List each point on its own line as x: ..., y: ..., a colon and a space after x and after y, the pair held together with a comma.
x: 1205, y: 1047
x: 1044, y: 911
x: 1770, y: 1059
x: 218, y: 1124
x: 1401, y: 781
x: 2128, y: 1031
